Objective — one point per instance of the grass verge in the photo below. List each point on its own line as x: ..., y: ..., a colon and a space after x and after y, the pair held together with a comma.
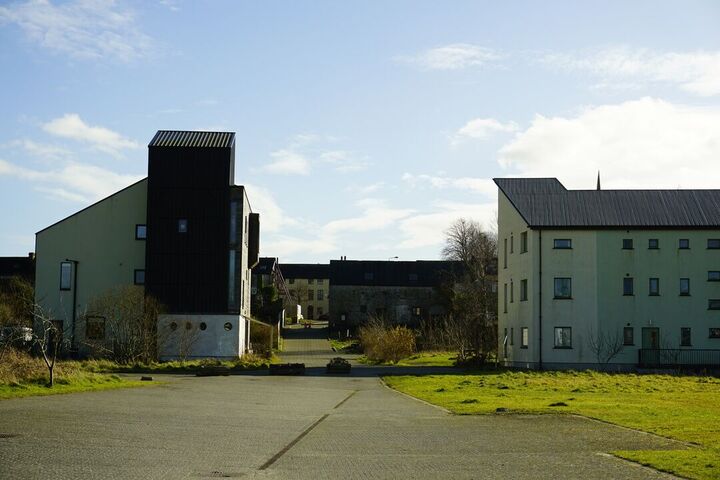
x: 245, y: 363
x: 685, y: 408
x: 421, y: 359
x: 83, y: 382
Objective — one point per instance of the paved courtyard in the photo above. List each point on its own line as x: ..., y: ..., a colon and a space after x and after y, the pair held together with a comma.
x: 313, y: 427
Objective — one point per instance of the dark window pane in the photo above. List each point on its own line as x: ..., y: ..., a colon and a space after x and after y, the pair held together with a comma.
x: 65, y: 275
x: 562, y: 243
x: 714, y: 276
x: 140, y: 232
x: 654, y: 286
x: 628, y: 287
x: 685, y: 337
x: 563, y: 337
x: 653, y: 243
x: 684, y: 286
x: 563, y: 288
x: 684, y: 243
x: 713, y: 243
x: 627, y: 243
x: 628, y: 336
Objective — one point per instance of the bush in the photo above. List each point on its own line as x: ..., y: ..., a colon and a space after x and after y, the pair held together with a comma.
x: 385, y: 343
x: 260, y: 339
x: 18, y: 367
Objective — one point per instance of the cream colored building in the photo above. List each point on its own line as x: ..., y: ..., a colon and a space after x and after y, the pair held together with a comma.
x: 309, y: 285
x: 586, y: 273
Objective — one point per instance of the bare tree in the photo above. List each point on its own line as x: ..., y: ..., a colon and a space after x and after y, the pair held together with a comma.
x: 48, y: 338
x: 188, y: 336
x: 472, y: 326
x: 605, y: 346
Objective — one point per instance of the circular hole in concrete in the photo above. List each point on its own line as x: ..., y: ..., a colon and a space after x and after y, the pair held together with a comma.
x: 203, y: 326
x: 228, y: 326
x: 188, y: 325
x: 173, y: 326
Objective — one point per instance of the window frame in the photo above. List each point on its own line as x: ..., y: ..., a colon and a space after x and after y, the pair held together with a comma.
x: 627, y: 244
x: 685, y: 293
x: 714, y: 332
x: 137, y: 231
x: 656, y: 293
x: 558, y: 245
x: 524, y: 337
x: 555, y: 289
x: 69, y: 277
x: 92, y: 319
x: 524, y: 290
x: 680, y: 244
x: 713, y: 279
x: 713, y: 304
x: 715, y: 242
x: 631, y: 282
x: 182, y: 225
x: 555, y: 338
x: 683, y: 342
x: 523, y: 242
x: 655, y: 246
x: 625, y: 336
x: 135, y: 276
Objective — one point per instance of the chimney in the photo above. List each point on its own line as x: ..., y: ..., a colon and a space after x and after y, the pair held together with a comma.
x: 598, y: 180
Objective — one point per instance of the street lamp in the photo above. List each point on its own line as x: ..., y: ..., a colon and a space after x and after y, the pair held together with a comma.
x: 74, y: 306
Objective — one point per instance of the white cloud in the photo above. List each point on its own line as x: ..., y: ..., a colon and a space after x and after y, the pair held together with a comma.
x: 72, y: 126
x: 287, y: 162
x: 695, y: 72
x: 82, y: 29
x: 428, y: 229
x: 452, y: 57
x: 42, y: 150
x: 74, y: 181
x: 365, y: 189
x: 343, y: 161
x: 376, y: 215
x: 481, y: 128
x: 646, y: 143
x: 484, y: 186
x: 272, y: 217
x: 285, y: 246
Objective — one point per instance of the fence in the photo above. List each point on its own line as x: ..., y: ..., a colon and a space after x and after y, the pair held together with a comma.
x: 654, y: 358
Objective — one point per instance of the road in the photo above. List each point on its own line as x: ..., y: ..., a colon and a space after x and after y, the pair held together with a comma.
x: 312, y: 427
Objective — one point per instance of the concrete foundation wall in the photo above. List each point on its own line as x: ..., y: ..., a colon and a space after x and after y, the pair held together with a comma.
x: 214, y: 341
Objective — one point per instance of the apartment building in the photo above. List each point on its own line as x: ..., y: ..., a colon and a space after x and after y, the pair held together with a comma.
x: 186, y: 235
x: 592, y: 278
x: 309, y: 286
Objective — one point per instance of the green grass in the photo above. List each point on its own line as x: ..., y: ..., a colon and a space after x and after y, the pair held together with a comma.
x: 682, y: 408
x: 77, y: 382
x: 421, y: 359
x: 247, y: 362
x: 344, y: 346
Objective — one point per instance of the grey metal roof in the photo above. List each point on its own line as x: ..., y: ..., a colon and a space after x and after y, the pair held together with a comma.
x: 305, y: 270
x: 417, y: 273
x: 179, y: 138
x: 545, y: 202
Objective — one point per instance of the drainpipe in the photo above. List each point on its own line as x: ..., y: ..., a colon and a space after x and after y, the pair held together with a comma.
x: 540, y: 327
x: 74, y: 306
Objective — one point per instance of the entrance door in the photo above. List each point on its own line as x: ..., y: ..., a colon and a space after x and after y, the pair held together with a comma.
x: 310, y: 312
x: 651, y: 337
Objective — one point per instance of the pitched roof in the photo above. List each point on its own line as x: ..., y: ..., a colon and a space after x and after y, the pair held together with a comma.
x: 419, y: 273
x: 305, y: 270
x: 546, y: 203
x: 180, y: 138
x: 17, y: 266
x: 265, y: 265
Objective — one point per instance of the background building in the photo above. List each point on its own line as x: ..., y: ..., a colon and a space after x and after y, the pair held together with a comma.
x: 185, y: 234
x: 309, y: 285
x: 400, y: 292
x: 636, y: 272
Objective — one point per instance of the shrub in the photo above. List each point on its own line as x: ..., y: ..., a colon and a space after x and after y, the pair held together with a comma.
x: 260, y: 339
x: 385, y: 343
x: 18, y: 367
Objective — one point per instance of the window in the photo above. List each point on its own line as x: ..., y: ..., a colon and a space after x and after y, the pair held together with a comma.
x: 311, y: 295
x: 233, y: 222
x: 203, y: 326
x: 95, y: 328
x: 140, y: 232
x: 684, y: 244
x: 505, y: 343
x: 505, y: 298
x: 412, y: 277
x: 523, y: 290
x: 369, y: 276
x: 628, y: 336
x: 512, y: 292
x: 65, y: 275
x: 563, y: 288
x: 653, y: 244
x: 563, y: 337
x: 310, y: 281
x: 320, y: 294
x: 139, y: 277
x: 505, y: 253
x: 416, y: 311
x: 714, y: 333
x: 523, y: 242
x: 524, y: 337
x: 512, y: 243
x: 562, y: 243
x: 627, y: 244
x: 684, y: 286
x: 714, y: 276
x: 685, y: 337
x: 291, y: 281
x: 654, y: 286
x: 182, y: 225
x: 232, y: 294
x: 713, y: 304
x: 363, y: 308
x: 713, y: 243
x: 512, y: 336
x: 227, y: 326
x: 320, y: 281
x: 628, y: 286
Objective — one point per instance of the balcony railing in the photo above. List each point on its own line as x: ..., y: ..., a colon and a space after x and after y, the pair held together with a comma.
x: 663, y: 357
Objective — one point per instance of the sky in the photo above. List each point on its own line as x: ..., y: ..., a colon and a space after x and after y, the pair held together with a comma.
x: 363, y: 128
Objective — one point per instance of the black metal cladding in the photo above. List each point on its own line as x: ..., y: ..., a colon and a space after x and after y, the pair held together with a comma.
x: 190, y: 180
x: 254, y: 240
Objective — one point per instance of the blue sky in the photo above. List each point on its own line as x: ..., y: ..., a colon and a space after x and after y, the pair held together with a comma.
x: 363, y: 128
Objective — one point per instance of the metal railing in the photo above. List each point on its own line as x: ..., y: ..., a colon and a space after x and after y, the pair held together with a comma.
x: 665, y: 357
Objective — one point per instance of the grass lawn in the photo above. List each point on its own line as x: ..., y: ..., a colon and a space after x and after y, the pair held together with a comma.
x: 421, y: 359
x: 78, y: 382
x: 684, y: 408
x: 350, y: 345
x: 246, y: 362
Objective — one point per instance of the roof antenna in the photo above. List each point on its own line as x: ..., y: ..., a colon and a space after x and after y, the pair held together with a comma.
x: 598, y: 182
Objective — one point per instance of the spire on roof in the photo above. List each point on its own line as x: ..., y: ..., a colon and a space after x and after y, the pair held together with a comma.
x: 598, y: 181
